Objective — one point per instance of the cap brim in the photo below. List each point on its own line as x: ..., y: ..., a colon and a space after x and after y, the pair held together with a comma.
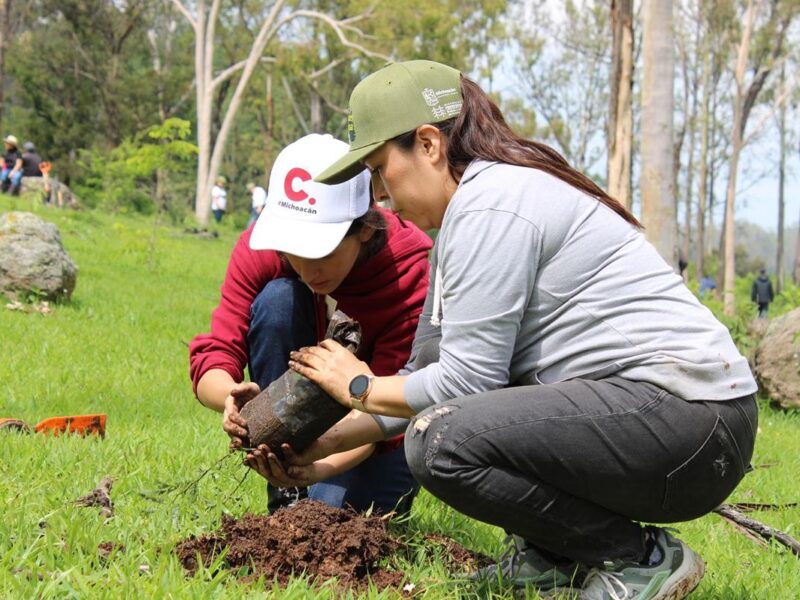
x: 348, y: 166
x: 308, y: 240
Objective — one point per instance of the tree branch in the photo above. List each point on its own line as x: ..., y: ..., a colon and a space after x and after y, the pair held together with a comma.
x: 338, y: 27
x: 230, y: 71
x: 778, y: 103
x: 185, y: 13
x: 297, y: 112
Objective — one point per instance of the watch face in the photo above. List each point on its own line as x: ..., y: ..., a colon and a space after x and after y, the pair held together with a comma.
x: 359, y: 385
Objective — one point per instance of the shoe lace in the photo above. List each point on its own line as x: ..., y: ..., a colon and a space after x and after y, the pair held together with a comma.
x: 510, y: 555
x: 611, y: 582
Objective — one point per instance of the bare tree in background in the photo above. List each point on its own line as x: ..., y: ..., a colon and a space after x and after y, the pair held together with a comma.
x: 204, y: 21
x: 620, y: 113
x: 745, y: 97
x: 5, y: 14
x: 658, y: 194
x: 781, y: 186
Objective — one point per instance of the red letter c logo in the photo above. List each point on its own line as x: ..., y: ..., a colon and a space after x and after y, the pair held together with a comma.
x: 288, y: 185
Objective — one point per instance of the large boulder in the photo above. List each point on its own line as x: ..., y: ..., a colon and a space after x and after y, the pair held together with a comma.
x: 777, y: 360
x: 32, y: 259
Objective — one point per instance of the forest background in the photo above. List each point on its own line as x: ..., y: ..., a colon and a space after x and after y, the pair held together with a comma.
x: 139, y: 104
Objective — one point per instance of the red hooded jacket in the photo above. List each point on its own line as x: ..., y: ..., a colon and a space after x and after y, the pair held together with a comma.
x: 384, y: 294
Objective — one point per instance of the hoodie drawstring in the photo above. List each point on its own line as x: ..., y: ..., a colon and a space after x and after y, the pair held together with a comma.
x: 436, y: 314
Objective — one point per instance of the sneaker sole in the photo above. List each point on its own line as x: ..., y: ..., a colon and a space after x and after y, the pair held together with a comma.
x: 680, y: 584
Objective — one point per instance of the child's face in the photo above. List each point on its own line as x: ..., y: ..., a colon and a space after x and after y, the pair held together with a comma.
x: 324, y: 275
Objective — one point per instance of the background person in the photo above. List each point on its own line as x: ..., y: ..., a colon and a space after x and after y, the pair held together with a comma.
x: 334, y: 247
x: 580, y: 387
x: 11, y: 175
x: 762, y: 294
x: 258, y: 196
x: 31, y: 161
x: 219, y: 199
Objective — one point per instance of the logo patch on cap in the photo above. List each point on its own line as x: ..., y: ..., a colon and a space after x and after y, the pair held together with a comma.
x: 297, y: 195
x: 351, y: 130
x: 430, y: 97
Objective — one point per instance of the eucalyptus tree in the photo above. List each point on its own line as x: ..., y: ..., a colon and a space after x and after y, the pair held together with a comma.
x: 760, y: 48
x: 620, y: 110
x: 562, y: 71
x: 657, y: 182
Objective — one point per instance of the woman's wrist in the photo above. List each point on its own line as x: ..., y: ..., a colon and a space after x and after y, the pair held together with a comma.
x: 386, y: 397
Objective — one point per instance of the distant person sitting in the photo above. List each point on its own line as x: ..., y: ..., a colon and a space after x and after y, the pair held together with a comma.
x: 259, y: 196
x: 11, y: 176
x: 31, y: 161
x: 219, y: 199
x: 707, y: 284
x: 762, y: 293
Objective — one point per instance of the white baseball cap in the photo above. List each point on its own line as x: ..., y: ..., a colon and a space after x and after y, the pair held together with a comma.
x: 304, y: 217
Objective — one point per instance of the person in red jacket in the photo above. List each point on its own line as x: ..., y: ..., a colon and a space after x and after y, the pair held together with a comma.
x: 313, y: 247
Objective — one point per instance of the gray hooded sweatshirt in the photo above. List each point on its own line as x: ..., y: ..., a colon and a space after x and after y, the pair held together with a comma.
x: 535, y: 282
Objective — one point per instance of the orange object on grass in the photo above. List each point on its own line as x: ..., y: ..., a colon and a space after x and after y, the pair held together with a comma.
x: 81, y: 424
x: 14, y: 424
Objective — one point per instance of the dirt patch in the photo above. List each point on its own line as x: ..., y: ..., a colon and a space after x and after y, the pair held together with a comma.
x: 311, y: 537
x: 321, y: 541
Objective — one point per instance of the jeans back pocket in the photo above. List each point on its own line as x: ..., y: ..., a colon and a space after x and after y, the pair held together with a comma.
x: 706, y: 478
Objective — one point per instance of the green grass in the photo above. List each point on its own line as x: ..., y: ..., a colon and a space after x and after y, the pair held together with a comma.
x: 120, y: 347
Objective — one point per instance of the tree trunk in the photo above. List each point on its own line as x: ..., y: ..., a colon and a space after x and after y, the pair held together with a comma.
x: 316, y: 111
x: 702, y: 192
x: 620, y: 121
x: 658, y: 195
x: 781, y: 201
x: 202, y: 204
x: 729, y: 281
x: 5, y: 30
x: 270, y: 128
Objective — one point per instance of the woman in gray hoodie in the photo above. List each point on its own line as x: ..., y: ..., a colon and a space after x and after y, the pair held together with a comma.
x: 565, y: 384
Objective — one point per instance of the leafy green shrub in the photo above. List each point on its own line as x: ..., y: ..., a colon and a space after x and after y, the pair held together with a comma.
x: 125, y: 179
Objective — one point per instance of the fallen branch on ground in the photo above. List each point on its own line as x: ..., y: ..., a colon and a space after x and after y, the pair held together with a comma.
x: 741, y: 521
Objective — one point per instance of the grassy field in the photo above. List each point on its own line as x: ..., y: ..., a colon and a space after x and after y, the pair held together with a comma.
x: 120, y: 347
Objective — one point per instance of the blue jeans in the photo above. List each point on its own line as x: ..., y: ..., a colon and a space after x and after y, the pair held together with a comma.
x: 15, y: 179
x: 282, y: 319
x: 218, y: 213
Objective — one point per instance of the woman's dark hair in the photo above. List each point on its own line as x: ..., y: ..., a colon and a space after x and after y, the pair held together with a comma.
x: 374, y: 219
x: 480, y: 131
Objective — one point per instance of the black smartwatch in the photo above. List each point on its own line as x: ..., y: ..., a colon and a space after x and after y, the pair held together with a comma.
x: 360, y: 387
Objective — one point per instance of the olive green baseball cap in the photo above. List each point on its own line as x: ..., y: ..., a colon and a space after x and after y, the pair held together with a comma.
x: 394, y: 100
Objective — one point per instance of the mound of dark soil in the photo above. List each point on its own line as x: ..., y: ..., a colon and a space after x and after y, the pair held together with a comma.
x: 320, y: 541
x: 311, y: 537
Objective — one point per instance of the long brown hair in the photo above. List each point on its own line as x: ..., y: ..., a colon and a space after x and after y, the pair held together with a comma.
x: 480, y: 131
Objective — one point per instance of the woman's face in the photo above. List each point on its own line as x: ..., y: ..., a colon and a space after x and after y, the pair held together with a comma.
x: 416, y: 181
x: 324, y: 275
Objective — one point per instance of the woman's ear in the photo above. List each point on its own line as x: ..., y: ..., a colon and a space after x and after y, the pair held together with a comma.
x: 431, y: 142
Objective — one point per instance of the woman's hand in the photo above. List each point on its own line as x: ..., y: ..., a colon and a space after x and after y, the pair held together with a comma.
x: 331, y: 366
x: 266, y: 463
x: 233, y: 424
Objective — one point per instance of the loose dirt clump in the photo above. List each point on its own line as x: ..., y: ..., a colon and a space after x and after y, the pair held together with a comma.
x: 311, y: 538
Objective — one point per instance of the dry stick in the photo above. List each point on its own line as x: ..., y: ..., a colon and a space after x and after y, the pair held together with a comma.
x: 765, y: 531
x: 751, y: 506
